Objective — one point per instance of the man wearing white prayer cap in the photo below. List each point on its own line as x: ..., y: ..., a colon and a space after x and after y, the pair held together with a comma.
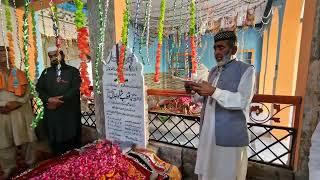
x: 52, y: 49
x: 59, y: 90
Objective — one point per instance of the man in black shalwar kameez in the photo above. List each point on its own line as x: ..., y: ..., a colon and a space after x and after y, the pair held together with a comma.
x: 59, y: 89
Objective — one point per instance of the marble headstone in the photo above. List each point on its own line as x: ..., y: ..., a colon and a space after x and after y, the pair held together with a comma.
x: 124, y: 104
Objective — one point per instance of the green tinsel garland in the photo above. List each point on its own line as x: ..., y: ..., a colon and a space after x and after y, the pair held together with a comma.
x: 193, y: 18
x: 39, y: 114
x: 80, y: 16
x: 8, y: 15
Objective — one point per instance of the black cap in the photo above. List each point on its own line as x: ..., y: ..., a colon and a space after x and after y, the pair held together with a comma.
x: 225, y: 35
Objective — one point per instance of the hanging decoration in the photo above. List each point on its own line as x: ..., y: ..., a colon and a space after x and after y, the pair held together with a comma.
x: 136, y: 25
x: 44, y: 32
x: 65, y: 40
x: 230, y: 23
x: 34, y: 33
x: 17, y: 34
x: 10, y: 53
x: 187, y: 55
x: 9, y: 33
x: 3, y: 34
x: 39, y: 114
x: 172, y: 39
x: 192, y: 36
x: 79, y: 15
x: 8, y: 16
x: 217, y: 25
x: 142, y: 35
x: 83, y: 45
x: 11, y: 58
x: 55, y: 20
x: 160, y: 38
x: 99, y: 51
x: 179, y: 31
x: 124, y: 42
x: 146, y: 33
x: 174, y: 28
x: 250, y: 18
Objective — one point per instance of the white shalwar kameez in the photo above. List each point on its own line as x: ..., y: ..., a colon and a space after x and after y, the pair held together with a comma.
x: 224, y: 163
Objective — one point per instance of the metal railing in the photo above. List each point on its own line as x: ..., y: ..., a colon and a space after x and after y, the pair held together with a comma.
x: 87, y: 114
x: 174, y: 129
x: 270, y: 142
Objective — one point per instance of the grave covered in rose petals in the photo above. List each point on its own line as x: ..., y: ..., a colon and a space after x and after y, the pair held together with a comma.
x: 100, y: 160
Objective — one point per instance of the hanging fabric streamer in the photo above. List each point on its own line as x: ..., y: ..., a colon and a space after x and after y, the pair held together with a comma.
x: 39, y: 104
x: 160, y: 38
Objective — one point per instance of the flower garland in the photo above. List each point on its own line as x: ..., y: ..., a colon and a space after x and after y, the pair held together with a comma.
x: 55, y: 20
x: 44, y: 31
x: 124, y: 41
x: 9, y: 33
x: 10, y: 54
x: 38, y: 101
x: 3, y: 35
x: 148, y: 30
x: 99, y: 51
x: 160, y: 38
x: 146, y: 27
x: 8, y: 16
x: 17, y: 30
x: 192, y: 36
x: 34, y: 33
x: 83, y: 45
x: 136, y: 24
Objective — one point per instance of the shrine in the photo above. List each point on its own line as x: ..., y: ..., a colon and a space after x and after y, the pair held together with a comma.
x: 108, y: 89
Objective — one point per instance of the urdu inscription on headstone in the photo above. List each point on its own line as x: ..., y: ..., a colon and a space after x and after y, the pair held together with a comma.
x: 124, y: 104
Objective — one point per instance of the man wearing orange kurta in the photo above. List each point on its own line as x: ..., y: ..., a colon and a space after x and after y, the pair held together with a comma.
x: 15, y: 117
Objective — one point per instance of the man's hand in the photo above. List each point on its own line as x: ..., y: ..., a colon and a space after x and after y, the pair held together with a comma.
x: 54, y: 102
x: 4, y: 110
x: 203, y: 88
x: 188, y: 86
x: 12, y: 105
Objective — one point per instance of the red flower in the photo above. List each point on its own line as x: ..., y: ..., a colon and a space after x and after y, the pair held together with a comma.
x: 121, y: 64
x: 193, y: 54
x: 83, y: 45
x: 158, y: 63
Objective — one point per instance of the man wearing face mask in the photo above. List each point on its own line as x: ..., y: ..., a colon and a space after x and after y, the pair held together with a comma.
x: 59, y: 89
x: 226, y: 96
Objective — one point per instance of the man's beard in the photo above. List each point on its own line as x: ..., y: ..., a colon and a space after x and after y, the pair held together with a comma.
x: 54, y: 63
x: 225, y: 60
